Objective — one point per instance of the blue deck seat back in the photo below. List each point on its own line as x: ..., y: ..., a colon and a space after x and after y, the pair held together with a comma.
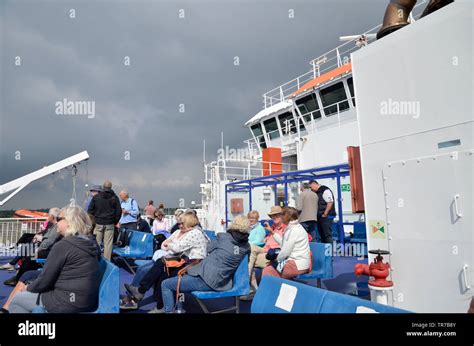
x: 265, y: 301
x: 276, y: 295
x: 342, y: 303
x: 140, y: 245
x: 211, y: 234
x: 360, y: 235
x: 240, y: 284
x: 109, y: 290
x: 322, y: 261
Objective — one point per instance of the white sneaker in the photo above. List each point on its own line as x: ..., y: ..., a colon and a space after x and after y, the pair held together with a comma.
x: 7, y: 266
x: 157, y: 311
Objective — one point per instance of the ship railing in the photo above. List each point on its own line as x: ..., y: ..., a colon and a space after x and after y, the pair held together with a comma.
x: 311, y: 120
x: 242, y: 169
x: 11, y: 229
x: 326, y: 62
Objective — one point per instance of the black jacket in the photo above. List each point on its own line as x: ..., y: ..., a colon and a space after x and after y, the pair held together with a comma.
x: 106, y: 208
x: 70, y: 279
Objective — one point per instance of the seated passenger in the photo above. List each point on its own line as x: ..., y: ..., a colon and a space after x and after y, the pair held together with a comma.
x: 177, y: 215
x: 257, y: 232
x: 24, y: 280
x: 294, y: 257
x: 216, y: 271
x: 142, y: 224
x: 190, y: 243
x: 72, y: 271
x: 161, y: 223
x: 47, y: 241
x: 258, y: 254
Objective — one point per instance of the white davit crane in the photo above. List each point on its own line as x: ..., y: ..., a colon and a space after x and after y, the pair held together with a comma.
x: 18, y: 184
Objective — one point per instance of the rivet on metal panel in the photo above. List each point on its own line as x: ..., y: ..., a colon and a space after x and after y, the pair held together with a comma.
x: 384, y: 178
x: 418, y: 160
x: 387, y: 207
x: 434, y: 158
x: 386, y: 193
x: 403, y: 163
x: 389, y: 238
x: 388, y: 223
x: 389, y: 165
x: 454, y: 155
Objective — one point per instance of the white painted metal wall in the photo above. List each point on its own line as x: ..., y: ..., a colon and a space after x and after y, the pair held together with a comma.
x: 328, y: 145
x: 410, y: 179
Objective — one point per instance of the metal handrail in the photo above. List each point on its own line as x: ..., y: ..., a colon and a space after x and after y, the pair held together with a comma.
x: 294, y: 127
x: 280, y: 93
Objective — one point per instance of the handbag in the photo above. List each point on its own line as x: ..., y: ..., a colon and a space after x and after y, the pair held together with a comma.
x: 123, y: 238
x: 172, y: 262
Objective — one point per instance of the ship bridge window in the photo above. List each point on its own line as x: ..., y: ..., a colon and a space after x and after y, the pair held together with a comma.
x: 350, y: 84
x: 271, y: 127
x: 287, y: 123
x: 309, y: 108
x: 334, y: 98
x: 258, y: 133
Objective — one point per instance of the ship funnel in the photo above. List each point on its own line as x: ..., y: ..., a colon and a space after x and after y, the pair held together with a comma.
x: 398, y: 12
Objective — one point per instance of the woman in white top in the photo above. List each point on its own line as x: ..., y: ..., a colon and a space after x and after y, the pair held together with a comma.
x: 161, y: 223
x: 190, y: 243
x: 294, y: 257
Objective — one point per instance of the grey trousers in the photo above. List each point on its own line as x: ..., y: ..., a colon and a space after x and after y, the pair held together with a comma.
x: 24, y: 302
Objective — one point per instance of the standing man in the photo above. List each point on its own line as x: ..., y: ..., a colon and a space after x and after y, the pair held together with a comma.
x: 105, y: 207
x: 130, y: 211
x: 93, y: 191
x: 326, y: 210
x: 307, y: 206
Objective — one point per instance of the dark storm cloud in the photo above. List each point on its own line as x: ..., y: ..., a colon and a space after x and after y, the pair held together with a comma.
x: 173, y: 61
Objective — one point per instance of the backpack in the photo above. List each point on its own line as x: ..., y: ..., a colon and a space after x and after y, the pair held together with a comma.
x: 123, y: 237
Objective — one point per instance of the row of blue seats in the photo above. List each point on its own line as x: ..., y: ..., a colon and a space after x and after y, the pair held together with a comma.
x: 304, y: 298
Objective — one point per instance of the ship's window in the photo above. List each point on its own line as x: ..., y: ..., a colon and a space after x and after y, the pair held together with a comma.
x: 334, y: 98
x: 287, y: 123
x: 309, y: 108
x: 257, y: 132
x: 350, y: 84
x: 271, y: 128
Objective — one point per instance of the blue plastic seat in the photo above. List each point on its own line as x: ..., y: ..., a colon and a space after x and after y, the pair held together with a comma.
x: 321, y: 263
x: 276, y: 295
x: 240, y: 287
x: 140, y: 247
x: 41, y: 260
x: 211, y: 234
x: 109, y: 290
x: 360, y: 235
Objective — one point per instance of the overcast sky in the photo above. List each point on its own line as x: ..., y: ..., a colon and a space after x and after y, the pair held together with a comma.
x: 173, y: 61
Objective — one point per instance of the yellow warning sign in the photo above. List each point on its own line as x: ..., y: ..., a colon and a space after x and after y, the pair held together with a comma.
x: 377, y: 229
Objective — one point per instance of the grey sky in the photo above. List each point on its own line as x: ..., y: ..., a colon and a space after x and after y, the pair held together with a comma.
x: 173, y: 61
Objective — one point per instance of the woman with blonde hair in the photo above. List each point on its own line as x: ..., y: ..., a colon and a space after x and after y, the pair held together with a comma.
x: 216, y: 271
x: 70, y: 279
x: 189, y: 243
